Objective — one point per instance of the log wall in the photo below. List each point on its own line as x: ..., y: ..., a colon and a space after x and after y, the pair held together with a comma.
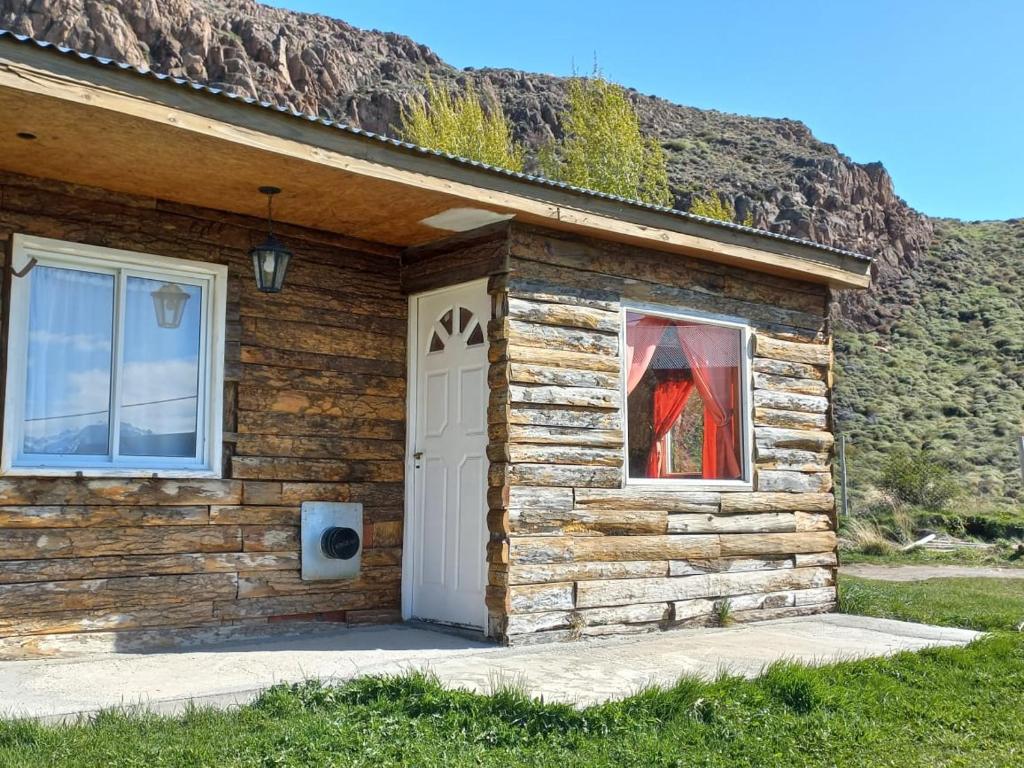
x: 314, y: 410
x: 575, y: 552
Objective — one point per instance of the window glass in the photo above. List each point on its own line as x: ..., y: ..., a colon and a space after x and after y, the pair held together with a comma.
x: 115, y: 362
x: 684, y: 395
x: 160, y: 374
x: 67, y: 392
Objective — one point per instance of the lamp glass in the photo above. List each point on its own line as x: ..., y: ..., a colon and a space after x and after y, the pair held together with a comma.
x: 270, y: 264
x: 169, y: 305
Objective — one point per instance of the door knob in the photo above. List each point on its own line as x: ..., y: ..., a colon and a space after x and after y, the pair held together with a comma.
x: 418, y: 455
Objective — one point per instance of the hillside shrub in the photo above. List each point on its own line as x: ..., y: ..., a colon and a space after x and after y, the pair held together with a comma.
x: 918, y: 478
x: 713, y: 206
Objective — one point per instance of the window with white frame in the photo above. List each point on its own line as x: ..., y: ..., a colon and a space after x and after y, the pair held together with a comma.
x: 115, y: 362
x: 687, y: 386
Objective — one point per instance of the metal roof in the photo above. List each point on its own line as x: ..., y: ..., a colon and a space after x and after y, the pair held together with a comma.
x: 405, y: 145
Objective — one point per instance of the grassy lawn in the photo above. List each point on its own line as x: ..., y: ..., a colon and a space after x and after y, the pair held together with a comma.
x: 984, y: 604
x: 950, y: 707
x: 998, y: 557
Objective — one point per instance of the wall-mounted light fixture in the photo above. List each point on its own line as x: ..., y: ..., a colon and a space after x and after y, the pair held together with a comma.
x: 169, y: 304
x: 270, y: 258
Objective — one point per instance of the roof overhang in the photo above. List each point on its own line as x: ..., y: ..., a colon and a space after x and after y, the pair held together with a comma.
x: 110, y: 127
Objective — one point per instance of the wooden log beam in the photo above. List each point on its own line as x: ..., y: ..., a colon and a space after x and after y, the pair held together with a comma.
x: 519, y: 372
x: 790, y: 401
x: 793, y: 460
x: 121, y: 491
x: 27, y: 544
x: 768, y: 367
x: 53, y: 516
x: 563, y: 454
x: 804, y: 386
x: 574, y: 316
x: 540, y: 573
x: 633, y: 497
x: 567, y: 549
x: 56, y: 596
x: 111, y: 566
x: 790, y: 351
x: 566, y: 475
x: 713, y: 585
x: 762, y: 522
x: 772, y: 417
x: 793, y: 482
x: 733, y: 503
x: 588, y: 522
x: 559, y: 358
x: 769, y: 544
x: 772, y: 438
x: 564, y: 436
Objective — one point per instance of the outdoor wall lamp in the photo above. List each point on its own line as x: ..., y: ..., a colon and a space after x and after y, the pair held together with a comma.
x: 270, y: 258
x: 169, y: 304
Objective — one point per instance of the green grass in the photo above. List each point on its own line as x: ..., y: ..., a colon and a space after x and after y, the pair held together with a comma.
x: 983, y: 604
x: 1000, y: 556
x: 950, y: 707
x: 943, y: 707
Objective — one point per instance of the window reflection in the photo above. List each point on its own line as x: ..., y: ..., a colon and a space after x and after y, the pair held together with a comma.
x: 160, y: 379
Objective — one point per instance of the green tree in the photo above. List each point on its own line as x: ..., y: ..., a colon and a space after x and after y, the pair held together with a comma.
x: 462, y: 124
x: 603, y: 148
x: 714, y: 206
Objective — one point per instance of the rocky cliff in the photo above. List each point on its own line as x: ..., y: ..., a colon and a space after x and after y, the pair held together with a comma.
x: 776, y: 169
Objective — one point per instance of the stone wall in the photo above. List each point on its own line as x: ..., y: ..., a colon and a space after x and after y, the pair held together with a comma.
x: 314, y: 410
x: 575, y: 552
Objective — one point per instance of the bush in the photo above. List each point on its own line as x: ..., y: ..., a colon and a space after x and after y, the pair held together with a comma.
x: 916, y: 477
x: 715, y: 206
x: 867, y: 536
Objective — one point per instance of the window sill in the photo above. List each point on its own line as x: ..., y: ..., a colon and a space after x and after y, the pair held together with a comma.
x: 113, y: 472
x: 726, y: 486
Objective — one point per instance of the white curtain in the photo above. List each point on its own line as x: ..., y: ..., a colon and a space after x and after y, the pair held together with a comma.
x: 67, y: 393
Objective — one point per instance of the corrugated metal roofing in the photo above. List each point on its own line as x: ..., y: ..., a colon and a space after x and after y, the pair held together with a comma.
x: 405, y: 145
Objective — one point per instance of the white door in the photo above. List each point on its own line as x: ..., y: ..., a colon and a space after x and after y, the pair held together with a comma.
x: 445, y: 556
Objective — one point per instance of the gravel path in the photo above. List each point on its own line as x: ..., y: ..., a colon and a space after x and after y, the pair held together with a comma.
x: 921, y: 572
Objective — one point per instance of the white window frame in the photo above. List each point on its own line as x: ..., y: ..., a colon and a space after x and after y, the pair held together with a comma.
x: 212, y: 278
x: 746, y: 483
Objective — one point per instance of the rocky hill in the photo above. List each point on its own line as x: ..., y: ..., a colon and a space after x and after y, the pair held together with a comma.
x: 791, y: 182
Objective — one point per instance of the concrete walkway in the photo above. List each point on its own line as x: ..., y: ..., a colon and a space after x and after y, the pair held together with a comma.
x: 583, y: 673
x: 921, y: 572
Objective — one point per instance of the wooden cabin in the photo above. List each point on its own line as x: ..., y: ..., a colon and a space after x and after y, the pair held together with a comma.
x: 478, y: 399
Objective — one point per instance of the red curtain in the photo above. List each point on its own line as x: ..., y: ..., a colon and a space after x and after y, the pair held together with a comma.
x: 642, y: 336
x: 713, y: 353
x: 670, y: 396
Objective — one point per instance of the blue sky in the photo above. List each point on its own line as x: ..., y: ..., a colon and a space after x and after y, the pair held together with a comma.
x: 933, y: 89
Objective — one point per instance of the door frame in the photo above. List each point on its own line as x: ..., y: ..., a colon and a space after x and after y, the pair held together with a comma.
x: 411, y: 414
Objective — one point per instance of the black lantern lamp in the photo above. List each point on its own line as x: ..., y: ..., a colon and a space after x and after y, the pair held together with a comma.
x: 270, y: 258
x: 169, y: 304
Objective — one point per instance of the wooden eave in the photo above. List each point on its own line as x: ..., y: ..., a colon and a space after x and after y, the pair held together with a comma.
x: 102, y: 126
